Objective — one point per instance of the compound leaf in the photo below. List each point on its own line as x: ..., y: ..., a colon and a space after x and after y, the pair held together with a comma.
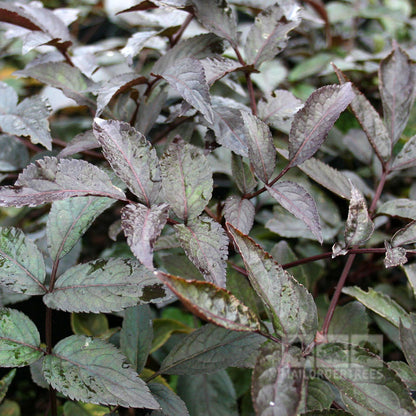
x: 19, y: 339
x: 291, y: 306
x: 268, y: 35
x: 131, y: 156
x: 186, y: 179
x: 239, y: 212
x: 206, y: 245
x: 93, y: 371
x: 142, y: 226
x: 312, y: 123
x: 69, y: 219
x: 50, y: 179
x: 298, y: 202
x: 212, y: 303
x: 22, y: 268
x: 211, y: 348
x: 277, y: 381
x: 104, y: 286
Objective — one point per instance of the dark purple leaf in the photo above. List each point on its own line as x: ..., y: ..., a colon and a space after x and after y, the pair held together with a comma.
x: 239, y: 213
x: 206, y: 245
x: 131, y: 156
x: 242, y: 174
x: 13, y: 153
x: 313, y: 122
x: 217, y: 67
x: 50, y: 179
x: 406, y: 235
x: 407, y: 156
x: 81, y: 142
x: 298, y: 202
x: 142, y: 226
x: 397, y: 76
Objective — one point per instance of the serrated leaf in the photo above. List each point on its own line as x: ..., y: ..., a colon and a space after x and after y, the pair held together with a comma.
x: 29, y: 118
x: 404, y: 372
x: 312, y: 123
x: 186, y: 179
x: 370, y: 121
x: 212, y: 303
x: 216, y: 67
x: 395, y: 256
x: 13, y: 153
x: 69, y: 219
x: 81, y: 142
x: 400, y: 207
x: 298, y: 202
x: 291, y: 306
x: 63, y: 76
x: 406, y: 235
x: 239, y: 213
x: 170, y: 403
x: 268, y: 35
x: 142, y: 226
x: 22, y: 268
x: 114, y: 86
x: 50, y: 179
x: 242, y: 174
x: 211, y: 348
x: 92, y: 371
x: 208, y: 394
x: 359, y: 227
x: 277, y: 381
x: 397, y: 75
x: 5, y: 383
x: 206, y: 245
x: 381, y: 304
x: 136, y: 335
x: 217, y: 17
x: 187, y: 77
x: 261, y: 150
x: 408, y: 341
x: 366, y: 384
x: 406, y: 158
x: 131, y: 156
x: 19, y: 339
x: 104, y: 286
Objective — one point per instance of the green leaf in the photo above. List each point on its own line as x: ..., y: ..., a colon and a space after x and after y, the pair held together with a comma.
x: 406, y: 158
x: 104, y: 285
x: 298, y: 202
x: 217, y: 17
x: 268, y: 35
x: 359, y: 227
x: 93, y: 371
x: 397, y: 77
x: 313, y: 122
x: 366, y: 384
x: 29, y: 118
x: 13, y: 154
x: 89, y: 324
x: 211, y: 348
x: 164, y: 328
x: 186, y: 179
x: 242, y: 174
x: 136, y: 335
x: 314, y: 65
x: 142, y: 226
x: 410, y: 270
x: 239, y: 212
x: 320, y: 395
x: 69, y: 219
x: 400, y: 207
x: 407, y: 375
x: 84, y: 409
x: 291, y: 306
x: 408, y: 340
x: 170, y: 403
x: 5, y: 383
x: 19, y: 339
x: 381, y: 304
x: 330, y: 412
x: 349, y: 320
x: 277, y: 381
x: 206, y: 245
x: 370, y: 122
x: 208, y: 394
x: 261, y: 150
x: 9, y: 408
x: 187, y: 77
x: 406, y: 235
x: 212, y: 303
x: 50, y: 179
x: 132, y: 158
x: 22, y: 268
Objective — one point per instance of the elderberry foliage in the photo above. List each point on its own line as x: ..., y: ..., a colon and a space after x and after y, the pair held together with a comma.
x: 207, y: 208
